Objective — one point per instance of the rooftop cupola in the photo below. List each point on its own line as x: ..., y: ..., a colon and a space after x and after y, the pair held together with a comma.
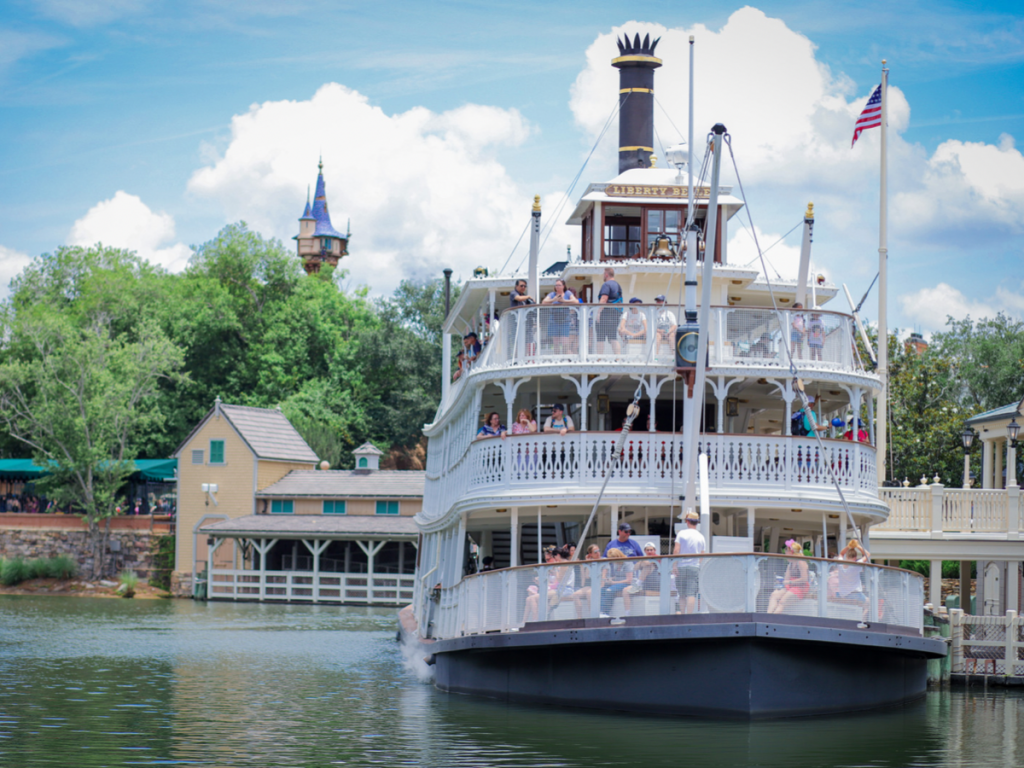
x: 318, y: 241
x: 636, y: 63
x: 367, y: 457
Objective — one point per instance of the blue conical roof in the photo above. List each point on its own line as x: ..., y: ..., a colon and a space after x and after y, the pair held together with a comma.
x: 306, y: 214
x: 324, y: 228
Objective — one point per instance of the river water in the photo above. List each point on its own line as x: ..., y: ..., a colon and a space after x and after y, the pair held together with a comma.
x: 93, y: 682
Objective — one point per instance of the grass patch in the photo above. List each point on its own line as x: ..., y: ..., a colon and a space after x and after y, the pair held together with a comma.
x: 129, y: 581
x: 15, y: 570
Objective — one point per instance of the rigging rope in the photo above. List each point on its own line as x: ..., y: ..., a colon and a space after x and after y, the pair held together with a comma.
x: 797, y: 381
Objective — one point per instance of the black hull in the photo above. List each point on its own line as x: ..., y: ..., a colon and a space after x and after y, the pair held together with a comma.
x: 730, y: 666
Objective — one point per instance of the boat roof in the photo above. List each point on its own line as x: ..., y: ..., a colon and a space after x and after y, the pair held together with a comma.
x: 660, y: 186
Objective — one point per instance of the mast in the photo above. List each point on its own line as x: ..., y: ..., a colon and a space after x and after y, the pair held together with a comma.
x: 883, y: 329
x: 533, y: 289
x: 805, y: 257
x: 696, y: 401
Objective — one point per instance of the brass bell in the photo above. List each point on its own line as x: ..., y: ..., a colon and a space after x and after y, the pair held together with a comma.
x: 663, y: 248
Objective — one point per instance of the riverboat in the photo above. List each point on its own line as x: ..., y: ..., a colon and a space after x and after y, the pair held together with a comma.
x: 766, y: 349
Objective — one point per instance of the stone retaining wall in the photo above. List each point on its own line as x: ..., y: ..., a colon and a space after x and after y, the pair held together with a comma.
x: 129, y: 549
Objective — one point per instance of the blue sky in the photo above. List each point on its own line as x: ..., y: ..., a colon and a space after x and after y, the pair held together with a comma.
x: 152, y: 124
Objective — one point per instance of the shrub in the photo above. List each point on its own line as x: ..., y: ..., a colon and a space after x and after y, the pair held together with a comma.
x: 163, y: 562
x: 129, y: 581
x: 950, y: 568
x: 62, y: 567
x: 14, y: 571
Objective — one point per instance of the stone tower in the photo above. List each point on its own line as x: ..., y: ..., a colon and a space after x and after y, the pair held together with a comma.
x: 318, y: 241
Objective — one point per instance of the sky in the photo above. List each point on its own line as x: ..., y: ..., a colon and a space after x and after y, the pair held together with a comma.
x: 150, y: 125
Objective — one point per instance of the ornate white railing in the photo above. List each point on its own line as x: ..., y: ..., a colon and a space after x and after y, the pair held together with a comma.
x: 629, y: 333
x: 552, y: 462
x: 937, y: 509
x: 360, y: 588
x: 509, y: 599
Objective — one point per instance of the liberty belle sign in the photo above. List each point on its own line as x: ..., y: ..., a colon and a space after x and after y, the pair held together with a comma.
x: 671, y: 192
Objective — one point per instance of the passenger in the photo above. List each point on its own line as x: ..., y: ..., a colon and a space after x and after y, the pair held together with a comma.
x: 520, y: 298
x: 816, y: 336
x: 608, y: 322
x: 795, y: 584
x: 665, y: 325
x: 473, y: 347
x: 623, y: 543
x: 488, y: 565
x: 460, y: 361
x: 581, y: 597
x: 647, y: 577
x: 524, y: 425
x: 633, y: 328
x: 689, y: 541
x: 614, y: 579
x: 560, y: 584
x: 492, y: 427
x: 862, y: 436
x: 796, y: 331
x: 559, y: 325
x: 558, y: 421
x: 844, y: 582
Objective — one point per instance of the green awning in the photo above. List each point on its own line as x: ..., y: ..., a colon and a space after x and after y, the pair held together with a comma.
x: 153, y: 470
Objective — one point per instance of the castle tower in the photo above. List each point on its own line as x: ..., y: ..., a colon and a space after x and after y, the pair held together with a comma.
x: 636, y: 63
x: 318, y: 241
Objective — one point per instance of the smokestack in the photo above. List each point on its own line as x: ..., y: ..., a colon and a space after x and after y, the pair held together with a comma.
x: 636, y: 64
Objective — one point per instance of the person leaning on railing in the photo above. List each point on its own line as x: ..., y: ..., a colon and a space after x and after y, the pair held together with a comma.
x: 633, y: 326
x: 583, y: 594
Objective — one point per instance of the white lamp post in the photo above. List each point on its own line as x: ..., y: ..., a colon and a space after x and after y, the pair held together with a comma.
x: 1012, y: 431
x: 967, y: 438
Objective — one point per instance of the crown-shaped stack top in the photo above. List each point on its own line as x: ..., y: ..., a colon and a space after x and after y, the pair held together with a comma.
x: 636, y: 48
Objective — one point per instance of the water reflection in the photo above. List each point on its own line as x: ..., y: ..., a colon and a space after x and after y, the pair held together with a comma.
x: 109, y: 682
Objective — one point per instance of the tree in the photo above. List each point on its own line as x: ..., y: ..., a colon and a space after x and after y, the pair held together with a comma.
x: 75, y: 396
x: 989, y: 357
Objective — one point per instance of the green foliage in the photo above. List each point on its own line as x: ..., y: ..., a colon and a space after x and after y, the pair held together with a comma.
x: 62, y: 567
x: 129, y: 582
x: 13, y: 571
x: 950, y: 568
x: 988, y: 357
x: 163, y: 562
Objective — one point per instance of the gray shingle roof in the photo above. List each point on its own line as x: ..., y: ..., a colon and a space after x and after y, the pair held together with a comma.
x: 368, y: 448
x: 996, y: 414
x: 320, y: 526
x: 347, y: 483
x: 268, y: 433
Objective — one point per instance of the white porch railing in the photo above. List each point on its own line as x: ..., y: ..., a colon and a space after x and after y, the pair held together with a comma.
x: 326, y: 587
x: 552, y: 461
x: 936, y: 509
x: 508, y: 599
x: 628, y: 333
x: 993, y: 643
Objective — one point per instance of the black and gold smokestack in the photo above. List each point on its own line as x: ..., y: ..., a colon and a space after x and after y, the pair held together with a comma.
x: 636, y: 64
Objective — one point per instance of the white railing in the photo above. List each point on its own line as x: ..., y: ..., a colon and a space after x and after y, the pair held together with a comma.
x: 509, y: 599
x: 937, y: 509
x: 993, y: 643
x: 629, y: 333
x: 327, y: 587
x: 552, y: 461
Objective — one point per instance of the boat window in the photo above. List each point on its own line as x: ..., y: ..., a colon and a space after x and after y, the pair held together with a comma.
x: 664, y: 222
x: 622, y: 238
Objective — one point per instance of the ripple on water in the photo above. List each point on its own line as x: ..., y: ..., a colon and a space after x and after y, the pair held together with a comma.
x: 183, y: 683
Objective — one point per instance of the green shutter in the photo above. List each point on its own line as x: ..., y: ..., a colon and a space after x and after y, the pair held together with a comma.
x: 216, y: 451
x: 363, y: 464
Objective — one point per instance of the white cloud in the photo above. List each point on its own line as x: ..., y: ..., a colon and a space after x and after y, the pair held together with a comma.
x: 930, y: 307
x: 11, y: 265
x: 124, y: 221
x: 791, y: 118
x: 423, y: 190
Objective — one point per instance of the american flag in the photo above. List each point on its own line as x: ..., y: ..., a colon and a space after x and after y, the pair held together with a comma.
x: 871, y: 117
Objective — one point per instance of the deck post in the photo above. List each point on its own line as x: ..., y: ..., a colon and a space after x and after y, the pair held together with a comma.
x: 935, y: 584
x: 1013, y: 512
x: 1010, y: 659
x: 956, y: 653
x: 936, y: 518
x: 513, y: 539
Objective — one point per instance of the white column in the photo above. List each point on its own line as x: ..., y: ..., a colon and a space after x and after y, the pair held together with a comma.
x: 513, y: 541
x: 1011, y: 464
x: 986, y: 464
x: 540, y: 545
x: 997, y: 474
x: 598, y: 239
x: 1012, y: 585
x: 446, y: 365
x: 935, y: 584
x: 614, y: 514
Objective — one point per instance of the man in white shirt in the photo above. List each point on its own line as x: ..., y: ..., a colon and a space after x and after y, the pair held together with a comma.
x: 558, y: 421
x: 665, y: 325
x: 689, y: 541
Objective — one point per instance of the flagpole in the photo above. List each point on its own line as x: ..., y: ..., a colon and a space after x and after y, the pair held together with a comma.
x: 883, y: 328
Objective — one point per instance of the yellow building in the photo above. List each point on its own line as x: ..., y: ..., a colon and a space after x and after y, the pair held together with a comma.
x: 258, y: 521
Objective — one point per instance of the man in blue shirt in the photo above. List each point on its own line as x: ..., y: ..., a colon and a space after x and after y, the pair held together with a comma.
x: 624, y: 544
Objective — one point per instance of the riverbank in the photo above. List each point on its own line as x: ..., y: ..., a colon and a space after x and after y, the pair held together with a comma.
x: 81, y: 588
